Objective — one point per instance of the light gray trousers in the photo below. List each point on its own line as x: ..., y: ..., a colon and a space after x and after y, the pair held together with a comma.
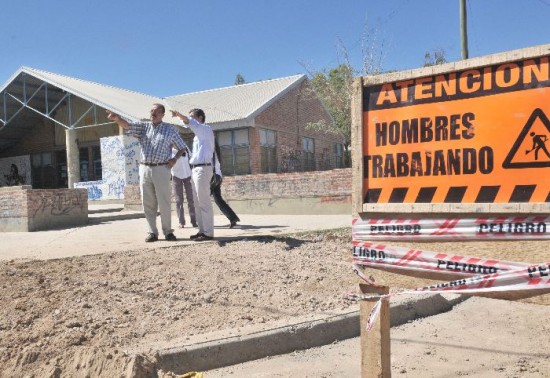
x: 156, y: 195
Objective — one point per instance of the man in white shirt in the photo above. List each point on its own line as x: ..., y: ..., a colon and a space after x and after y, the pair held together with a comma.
x: 181, y: 178
x: 202, y: 170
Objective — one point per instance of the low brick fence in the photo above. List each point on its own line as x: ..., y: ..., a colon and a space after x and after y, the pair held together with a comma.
x: 25, y: 209
x: 313, y: 192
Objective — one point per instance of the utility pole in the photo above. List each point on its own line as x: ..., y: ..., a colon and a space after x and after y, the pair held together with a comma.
x: 463, y: 30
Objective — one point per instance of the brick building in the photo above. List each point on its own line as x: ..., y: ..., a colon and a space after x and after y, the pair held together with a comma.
x: 51, y: 127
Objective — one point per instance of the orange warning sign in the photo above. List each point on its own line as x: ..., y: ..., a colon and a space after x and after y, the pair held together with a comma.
x: 480, y: 135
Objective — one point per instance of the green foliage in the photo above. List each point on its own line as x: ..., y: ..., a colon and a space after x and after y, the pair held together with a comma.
x: 239, y: 79
x: 334, y: 88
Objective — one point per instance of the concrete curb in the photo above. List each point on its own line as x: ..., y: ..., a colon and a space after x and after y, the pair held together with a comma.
x: 238, y: 349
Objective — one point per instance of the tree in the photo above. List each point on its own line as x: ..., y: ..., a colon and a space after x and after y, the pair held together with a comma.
x: 239, y: 79
x: 438, y: 57
x: 334, y: 86
x: 334, y: 89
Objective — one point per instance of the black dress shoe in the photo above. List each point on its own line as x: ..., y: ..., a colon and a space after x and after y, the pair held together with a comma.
x: 192, y: 237
x: 203, y: 237
x: 151, y: 238
x: 171, y: 237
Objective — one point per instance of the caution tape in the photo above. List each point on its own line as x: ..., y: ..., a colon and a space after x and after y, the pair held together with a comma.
x: 480, y: 275
x: 405, y: 259
x: 500, y: 228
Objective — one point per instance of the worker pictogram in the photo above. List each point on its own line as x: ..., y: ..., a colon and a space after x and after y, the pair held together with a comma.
x: 531, y: 148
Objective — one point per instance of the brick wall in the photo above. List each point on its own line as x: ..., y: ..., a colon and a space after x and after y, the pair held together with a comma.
x: 45, y: 136
x: 255, y: 151
x: 289, y: 117
x: 13, y: 201
x: 336, y: 182
x: 325, y: 186
x: 26, y: 209
x: 40, y: 138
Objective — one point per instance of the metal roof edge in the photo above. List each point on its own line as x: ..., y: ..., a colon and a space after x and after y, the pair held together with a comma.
x: 232, y: 86
x: 265, y: 105
x: 39, y: 74
x: 234, y: 124
x: 36, y: 70
x: 12, y: 78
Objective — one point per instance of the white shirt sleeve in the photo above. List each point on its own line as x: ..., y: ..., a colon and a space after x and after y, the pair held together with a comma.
x: 217, y: 168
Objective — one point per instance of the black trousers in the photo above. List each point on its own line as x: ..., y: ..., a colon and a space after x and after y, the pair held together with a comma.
x: 216, y: 192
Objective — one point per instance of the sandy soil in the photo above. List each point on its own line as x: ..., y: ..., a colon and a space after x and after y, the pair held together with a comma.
x: 106, y: 315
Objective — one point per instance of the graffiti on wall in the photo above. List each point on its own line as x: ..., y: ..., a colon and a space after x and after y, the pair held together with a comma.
x: 291, y: 159
x: 132, y: 155
x: 15, y: 171
x: 94, y: 192
x: 95, y: 189
x: 271, y: 188
x: 116, y: 187
x: 58, y: 203
x: 120, y: 167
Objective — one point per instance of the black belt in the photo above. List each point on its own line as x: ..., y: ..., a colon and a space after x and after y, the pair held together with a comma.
x: 153, y: 164
x: 201, y: 165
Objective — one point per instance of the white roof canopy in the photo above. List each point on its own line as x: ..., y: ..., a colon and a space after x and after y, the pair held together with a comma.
x: 32, y: 94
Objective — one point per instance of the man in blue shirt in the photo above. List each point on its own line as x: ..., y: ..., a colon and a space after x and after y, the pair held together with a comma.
x: 156, y: 139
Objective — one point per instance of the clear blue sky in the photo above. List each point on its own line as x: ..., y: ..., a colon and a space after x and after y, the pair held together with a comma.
x: 168, y: 47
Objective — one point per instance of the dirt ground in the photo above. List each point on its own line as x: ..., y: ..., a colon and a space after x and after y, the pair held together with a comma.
x: 480, y: 337
x: 106, y: 315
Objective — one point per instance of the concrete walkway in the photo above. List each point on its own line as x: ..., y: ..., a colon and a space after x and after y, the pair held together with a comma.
x: 111, y: 229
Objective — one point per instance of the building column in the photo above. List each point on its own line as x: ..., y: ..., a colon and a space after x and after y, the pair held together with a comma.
x: 73, y: 157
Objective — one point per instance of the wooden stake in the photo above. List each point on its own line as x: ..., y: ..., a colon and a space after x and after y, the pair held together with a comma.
x: 375, y: 344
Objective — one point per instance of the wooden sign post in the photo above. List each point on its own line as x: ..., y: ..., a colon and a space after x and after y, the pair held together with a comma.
x: 375, y: 344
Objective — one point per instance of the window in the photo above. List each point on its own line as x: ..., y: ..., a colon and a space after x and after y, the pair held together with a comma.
x: 90, y: 163
x: 234, y: 151
x: 308, y: 154
x: 84, y: 164
x: 268, y: 151
x: 338, y: 155
x: 43, y: 171
x: 61, y: 164
x: 96, y: 160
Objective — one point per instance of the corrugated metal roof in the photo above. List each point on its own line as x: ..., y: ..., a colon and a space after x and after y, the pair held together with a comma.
x: 225, y: 108
x: 232, y: 106
x: 133, y: 105
x: 236, y: 103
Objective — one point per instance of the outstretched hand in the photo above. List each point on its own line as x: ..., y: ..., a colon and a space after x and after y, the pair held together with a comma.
x: 116, y: 118
x: 175, y: 113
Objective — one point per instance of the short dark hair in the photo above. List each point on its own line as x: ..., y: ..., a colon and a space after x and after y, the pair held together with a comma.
x: 161, y: 107
x: 198, y: 113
